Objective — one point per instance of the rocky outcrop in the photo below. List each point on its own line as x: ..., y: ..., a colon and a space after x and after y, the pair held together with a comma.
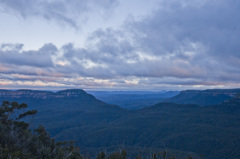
x: 42, y: 94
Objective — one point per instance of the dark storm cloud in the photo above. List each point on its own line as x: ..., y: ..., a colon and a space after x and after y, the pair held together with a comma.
x: 64, y: 11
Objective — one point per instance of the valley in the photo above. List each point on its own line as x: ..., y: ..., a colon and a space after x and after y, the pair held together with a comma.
x: 211, y: 131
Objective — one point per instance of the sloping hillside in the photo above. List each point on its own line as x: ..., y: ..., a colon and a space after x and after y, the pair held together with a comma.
x: 211, y: 131
x: 64, y: 109
x: 203, y: 98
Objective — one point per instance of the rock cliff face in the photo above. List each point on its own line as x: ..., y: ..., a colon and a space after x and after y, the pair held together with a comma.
x: 42, y: 94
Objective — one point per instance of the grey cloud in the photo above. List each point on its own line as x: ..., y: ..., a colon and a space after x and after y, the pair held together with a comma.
x: 25, y: 77
x: 113, y: 55
x: 8, y: 46
x: 182, y: 43
x: 191, y: 35
x: 214, y: 24
x: 154, y: 73
x: 176, y: 81
x: 65, y: 11
x: 39, y: 58
x: 106, y: 49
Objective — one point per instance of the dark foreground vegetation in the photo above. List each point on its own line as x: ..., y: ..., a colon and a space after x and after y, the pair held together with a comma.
x: 17, y: 141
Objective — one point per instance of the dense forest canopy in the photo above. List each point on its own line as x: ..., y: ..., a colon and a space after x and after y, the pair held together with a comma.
x: 180, y: 129
x: 17, y: 141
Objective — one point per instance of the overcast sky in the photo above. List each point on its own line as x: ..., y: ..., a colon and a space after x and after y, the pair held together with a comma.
x: 119, y: 44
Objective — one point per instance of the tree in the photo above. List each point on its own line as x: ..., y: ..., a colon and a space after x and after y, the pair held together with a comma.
x: 118, y: 155
x: 101, y: 155
x: 17, y: 141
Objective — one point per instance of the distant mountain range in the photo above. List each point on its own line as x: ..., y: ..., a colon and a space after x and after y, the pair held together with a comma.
x: 76, y: 115
x: 204, y: 97
x: 133, y: 99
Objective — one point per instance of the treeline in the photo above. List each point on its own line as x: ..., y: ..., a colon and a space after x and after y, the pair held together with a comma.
x: 18, y: 141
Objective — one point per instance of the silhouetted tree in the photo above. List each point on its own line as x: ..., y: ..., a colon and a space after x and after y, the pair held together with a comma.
x: 17, y: 141
x: 101, y: 155
x: 118, y: 155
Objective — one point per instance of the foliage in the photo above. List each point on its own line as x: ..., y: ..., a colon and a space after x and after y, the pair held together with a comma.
x: 101, y: 155
x: 118, y: 155
x: 17, y: 141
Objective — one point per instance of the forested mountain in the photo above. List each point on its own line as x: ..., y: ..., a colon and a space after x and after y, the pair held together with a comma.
x: 203, y: 97
x: 64, y: 109
x: 212, y: 131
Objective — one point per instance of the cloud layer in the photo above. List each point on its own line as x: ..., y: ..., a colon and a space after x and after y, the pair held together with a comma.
x: 183, y: 44
x: 70, y: 12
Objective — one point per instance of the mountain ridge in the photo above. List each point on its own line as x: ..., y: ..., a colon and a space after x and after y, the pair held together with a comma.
x: 42, y: 94
x: 203, y: 97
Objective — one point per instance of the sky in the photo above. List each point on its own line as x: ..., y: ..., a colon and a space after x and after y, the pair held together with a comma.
x: 119, y: 44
